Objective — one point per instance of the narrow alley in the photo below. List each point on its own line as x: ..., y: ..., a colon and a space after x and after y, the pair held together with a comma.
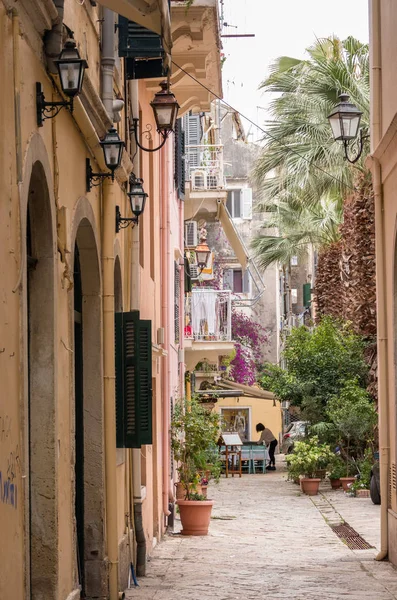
x: 268, y: 540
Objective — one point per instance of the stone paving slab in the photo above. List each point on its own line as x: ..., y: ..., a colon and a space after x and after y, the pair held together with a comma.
x: 268, y: 540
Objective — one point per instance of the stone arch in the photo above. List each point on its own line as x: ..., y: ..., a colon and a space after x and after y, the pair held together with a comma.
x: 89, y: 482
x: 39, y: 368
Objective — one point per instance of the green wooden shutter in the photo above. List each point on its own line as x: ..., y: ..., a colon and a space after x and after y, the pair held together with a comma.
x: 307, y: 294
x: 142, y: 49
x: 133, y: 380
x: 179, y: 153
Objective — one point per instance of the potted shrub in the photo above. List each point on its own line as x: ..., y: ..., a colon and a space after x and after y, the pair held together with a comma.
x: 337, y: 470
x: 307, y: 458
x: 194, y: 432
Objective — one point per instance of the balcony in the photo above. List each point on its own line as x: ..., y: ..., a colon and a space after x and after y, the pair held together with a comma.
x: 204, y: 165
x: 209, y: 316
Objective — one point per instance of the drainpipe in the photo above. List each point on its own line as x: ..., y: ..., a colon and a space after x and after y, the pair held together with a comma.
x: 53, y: 38
x: 165, y: 257
x: 384, y: 443
x: 135, y: 305
x: 108, y: 322
x: 108, y: 60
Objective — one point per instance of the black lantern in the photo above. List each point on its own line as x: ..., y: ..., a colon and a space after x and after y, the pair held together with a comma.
x: 165, y: 109
x: 137, y: 197
x: 345, y: 124
x: 112, y: 147
x: 202, y: 254
x: 71, y: 70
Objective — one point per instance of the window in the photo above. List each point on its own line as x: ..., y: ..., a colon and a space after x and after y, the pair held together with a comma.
x: 239, y: 203
x: 236, y: 280
x: 294, y: 296
x: 294, y: 261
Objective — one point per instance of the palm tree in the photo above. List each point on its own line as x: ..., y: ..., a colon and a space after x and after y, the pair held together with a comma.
x: 299, y: 225
x: 301, y: 173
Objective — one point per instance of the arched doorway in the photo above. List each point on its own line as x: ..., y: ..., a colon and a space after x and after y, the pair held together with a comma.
x: 89, y: 445
x: 42, y: 522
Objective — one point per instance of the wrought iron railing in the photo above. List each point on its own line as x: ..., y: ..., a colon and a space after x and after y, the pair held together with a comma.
x: 204, y: 167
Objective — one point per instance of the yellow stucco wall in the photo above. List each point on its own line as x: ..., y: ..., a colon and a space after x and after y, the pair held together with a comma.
x: 260, y: 411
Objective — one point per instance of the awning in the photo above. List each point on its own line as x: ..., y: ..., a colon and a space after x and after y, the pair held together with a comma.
x: 219, y: 393
x: 152, y: 14
x: 248, y: 390
x: 233, y: 236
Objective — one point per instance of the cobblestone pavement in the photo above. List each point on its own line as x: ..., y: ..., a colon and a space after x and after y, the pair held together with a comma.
x: 267, y: 540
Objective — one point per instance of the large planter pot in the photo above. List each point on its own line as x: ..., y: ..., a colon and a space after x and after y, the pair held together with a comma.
x: 346, y: 481
x: 310, y: 485
x: 195, y: 516
x: 336, y: 484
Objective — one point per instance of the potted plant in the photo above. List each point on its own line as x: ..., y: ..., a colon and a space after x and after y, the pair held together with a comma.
x: 194, y: 432
x: 307, y: 458
x: 337, y: 470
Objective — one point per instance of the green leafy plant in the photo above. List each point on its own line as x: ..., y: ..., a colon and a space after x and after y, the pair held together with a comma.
x: 308, y: 457
x: 337, y: 468
x: 194, y: 433
x: 353, y: 414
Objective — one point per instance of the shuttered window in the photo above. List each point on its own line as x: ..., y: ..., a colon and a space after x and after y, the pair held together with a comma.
x: 177, y: 289
x: 142, y: 49
x: 307, y: 294
x: 179, y: 158
x: 133, y: 380
x: 236, y: 280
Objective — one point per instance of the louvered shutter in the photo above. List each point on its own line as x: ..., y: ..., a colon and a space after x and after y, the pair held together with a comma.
x: 193, y: 131
x: 246, y: 201
x: 133, y: 380
x: 307, y: 294
x: 188, y: 276
x: 142, y: 49
x: 246, y: 282
x: 180, y: 168
x: 228, y: 279
x: 177, y: 288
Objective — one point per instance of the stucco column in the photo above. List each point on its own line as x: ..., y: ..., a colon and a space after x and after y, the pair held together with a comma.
x: 109, y: 380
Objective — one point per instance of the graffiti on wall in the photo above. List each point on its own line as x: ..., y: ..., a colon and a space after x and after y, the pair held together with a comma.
x: 10, y: 469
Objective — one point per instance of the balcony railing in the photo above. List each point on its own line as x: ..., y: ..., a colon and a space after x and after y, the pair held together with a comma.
x: 209, y: 316
x: 204, y: 165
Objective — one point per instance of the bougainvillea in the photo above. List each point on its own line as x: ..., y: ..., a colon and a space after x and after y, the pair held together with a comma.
x: 249, y: 337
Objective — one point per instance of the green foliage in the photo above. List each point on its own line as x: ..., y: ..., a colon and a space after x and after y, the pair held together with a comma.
x: 354, y: 416
x: 307, y: 201
x: 337, y: 468
x: 319, y: 362
x: 194, y: 433
x: 308, y: 457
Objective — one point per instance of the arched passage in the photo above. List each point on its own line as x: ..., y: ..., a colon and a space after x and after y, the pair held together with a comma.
x: 41, y: 407
x: 89, y: 443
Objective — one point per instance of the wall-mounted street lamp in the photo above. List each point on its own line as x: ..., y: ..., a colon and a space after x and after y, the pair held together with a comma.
x: 112, y: 147
x: 71, y: 70
x: 345, y: 123
x: 165, y: 108
x: 137, y: 197
x: 202, y: 255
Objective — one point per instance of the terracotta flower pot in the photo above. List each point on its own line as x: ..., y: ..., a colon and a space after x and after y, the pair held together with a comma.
x: 345, y: 481
x: 204, y: 490
x: 195, y: 516
x: 310, y: 485
x: 336, y: 484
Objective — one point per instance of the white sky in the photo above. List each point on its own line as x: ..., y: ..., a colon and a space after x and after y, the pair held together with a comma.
x: 281, y: 28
